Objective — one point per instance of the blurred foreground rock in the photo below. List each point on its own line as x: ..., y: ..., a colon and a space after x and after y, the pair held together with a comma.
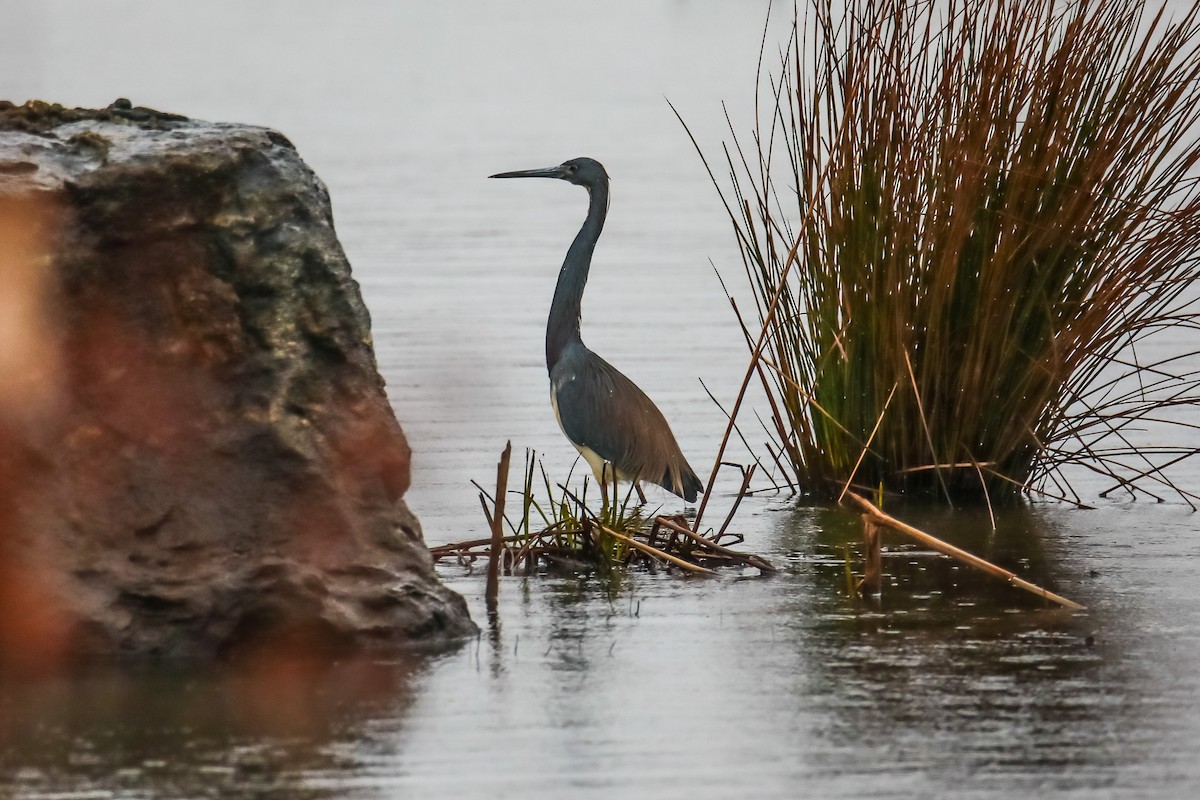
x: 196, y: 451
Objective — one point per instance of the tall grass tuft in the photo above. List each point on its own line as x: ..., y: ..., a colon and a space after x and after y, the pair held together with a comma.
x: 970, y: 213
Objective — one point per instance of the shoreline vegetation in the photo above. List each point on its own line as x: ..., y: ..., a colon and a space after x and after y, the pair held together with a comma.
x: 958, y: 222
x: 572, y: 537
x: 557, y: 528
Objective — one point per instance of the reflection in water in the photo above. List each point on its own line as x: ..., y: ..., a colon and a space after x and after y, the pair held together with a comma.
x: 184, y: 733
x: 957, y: 674
x: 676, y: 686
x: 668, y: 681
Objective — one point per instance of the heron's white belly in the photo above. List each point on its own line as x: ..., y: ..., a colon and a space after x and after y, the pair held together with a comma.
x: 589, y: 455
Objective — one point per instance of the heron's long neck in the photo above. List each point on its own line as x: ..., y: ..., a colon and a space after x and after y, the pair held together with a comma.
x: 563, y: 326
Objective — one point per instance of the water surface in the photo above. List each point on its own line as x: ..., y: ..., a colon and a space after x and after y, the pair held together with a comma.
x: 645, y: 685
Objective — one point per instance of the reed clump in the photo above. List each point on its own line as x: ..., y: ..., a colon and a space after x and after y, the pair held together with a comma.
x: 960, y: 219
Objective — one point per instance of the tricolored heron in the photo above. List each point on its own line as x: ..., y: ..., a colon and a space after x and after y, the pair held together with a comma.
x: 612, y: 423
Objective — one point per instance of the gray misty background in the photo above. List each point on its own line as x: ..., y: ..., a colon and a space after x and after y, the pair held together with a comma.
x: 404, y: 108
x: 649, y: 685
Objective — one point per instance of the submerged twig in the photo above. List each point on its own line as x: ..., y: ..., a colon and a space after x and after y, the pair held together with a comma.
x: 872, y: 580
x: 493, y: 574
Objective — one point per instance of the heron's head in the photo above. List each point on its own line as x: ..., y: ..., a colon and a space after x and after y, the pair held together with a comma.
x: 587, y: 172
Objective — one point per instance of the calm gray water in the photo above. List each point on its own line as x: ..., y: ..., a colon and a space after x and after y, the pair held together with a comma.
x: 649, y: 685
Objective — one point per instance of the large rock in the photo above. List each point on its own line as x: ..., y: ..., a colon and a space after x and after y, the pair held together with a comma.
x: 196, y: 450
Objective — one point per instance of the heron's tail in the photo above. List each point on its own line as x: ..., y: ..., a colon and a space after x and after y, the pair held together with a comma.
x: 692, y: 486
x: 685, y: 484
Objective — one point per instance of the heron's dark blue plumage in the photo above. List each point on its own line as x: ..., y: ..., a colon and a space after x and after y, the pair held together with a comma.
x: 603, y: 413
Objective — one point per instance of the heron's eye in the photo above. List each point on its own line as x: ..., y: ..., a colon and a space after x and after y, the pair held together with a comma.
x: 572, y: 168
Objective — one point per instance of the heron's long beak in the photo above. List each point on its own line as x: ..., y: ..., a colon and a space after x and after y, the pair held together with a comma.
x: 544, y: 172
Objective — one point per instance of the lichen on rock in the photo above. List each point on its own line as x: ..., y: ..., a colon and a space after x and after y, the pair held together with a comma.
x: 195, y: 443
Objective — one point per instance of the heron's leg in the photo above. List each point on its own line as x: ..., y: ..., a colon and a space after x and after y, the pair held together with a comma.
x: 641, y: 494
x: 603, y: 478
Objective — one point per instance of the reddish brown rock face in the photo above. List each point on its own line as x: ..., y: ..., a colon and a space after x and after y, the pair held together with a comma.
x: 195, y: 446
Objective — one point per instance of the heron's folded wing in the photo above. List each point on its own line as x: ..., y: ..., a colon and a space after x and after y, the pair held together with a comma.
x: 603, y: 410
